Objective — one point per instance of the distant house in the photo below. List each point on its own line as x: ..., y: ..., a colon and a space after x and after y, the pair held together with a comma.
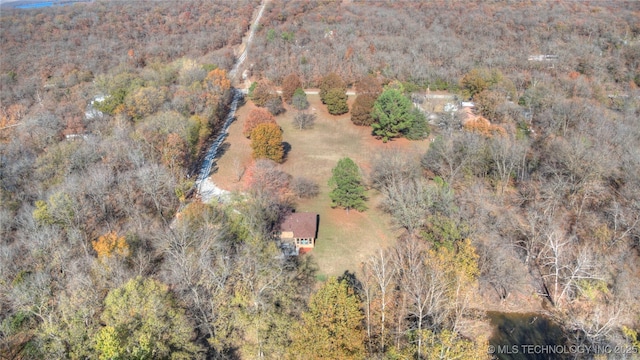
x: 450, y: 107
x: 299, y: 230
x: 543, y: 57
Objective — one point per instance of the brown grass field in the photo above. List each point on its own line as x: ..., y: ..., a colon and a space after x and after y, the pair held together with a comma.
x: 344, y: 240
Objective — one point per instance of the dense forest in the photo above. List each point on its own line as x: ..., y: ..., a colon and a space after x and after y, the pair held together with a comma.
x: 106, y: 109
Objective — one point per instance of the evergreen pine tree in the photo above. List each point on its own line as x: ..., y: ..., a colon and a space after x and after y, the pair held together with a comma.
x: 329, y: 82
x: 393, y: 114
x: 419, y: 129
x: 336, y: 101
x: 299, y: 100
x: 348, y: 191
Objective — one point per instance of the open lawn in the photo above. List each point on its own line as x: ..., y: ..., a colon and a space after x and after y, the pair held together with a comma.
x: 344, y: 240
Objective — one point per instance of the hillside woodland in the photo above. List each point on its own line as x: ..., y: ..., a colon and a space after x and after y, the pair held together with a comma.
x: 106, y: 107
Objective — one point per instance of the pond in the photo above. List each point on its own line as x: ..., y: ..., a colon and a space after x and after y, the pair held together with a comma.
x: 526, y: 336
x: 35, y: 5
x: 31, y: 4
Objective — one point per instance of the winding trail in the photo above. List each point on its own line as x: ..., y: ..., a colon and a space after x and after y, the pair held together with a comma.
x: 206, y: 188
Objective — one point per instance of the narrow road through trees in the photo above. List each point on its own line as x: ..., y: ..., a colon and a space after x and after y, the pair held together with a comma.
x: 206, y: 188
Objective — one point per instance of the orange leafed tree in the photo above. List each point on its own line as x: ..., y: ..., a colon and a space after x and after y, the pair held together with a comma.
x: 9, y: 118
x: 361, y: 110
x: 109, y: 244
x: 74, y: 126
x: 256, y: 117
x: 217, y: 81
x: 369, y: 85
x: 263, y: 92
x: 12, y: 114
x: 483, y: 127
x: 174, y: 151
x: 265, y: 176
x: 289, y: 86
x: 266, y: 142
x: 329, y: 82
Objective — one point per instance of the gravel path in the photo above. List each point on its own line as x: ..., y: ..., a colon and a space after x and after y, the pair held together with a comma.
x: 206, y: 188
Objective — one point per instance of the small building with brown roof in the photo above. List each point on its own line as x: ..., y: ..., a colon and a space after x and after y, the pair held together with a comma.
x: 300, y: 229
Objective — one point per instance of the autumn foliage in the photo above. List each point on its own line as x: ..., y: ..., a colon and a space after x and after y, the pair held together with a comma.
x: 144, y: 102
x: 361, y: 110
x: 109, y: 244
x: 333, y: 94
x: 551, y: 207
x: 482, y: 126
x: 289, y: 86
x: 256, y: 117
x: 9, y: 118
x: 266, y: 142
x: 329, y: 82
x: 174, y: 151
x: 368, y: 88
x: 262, y: 93
x: 217, y: 81
x: 264, y: 175
x: 74, y: 126
x: 369, y: 85
x: 332, y: 327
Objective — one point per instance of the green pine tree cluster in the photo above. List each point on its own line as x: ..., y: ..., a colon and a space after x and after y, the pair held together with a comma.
x: 333, y: 94
x: 395, y: 116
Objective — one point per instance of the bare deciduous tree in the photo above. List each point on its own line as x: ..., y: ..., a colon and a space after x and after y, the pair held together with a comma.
x: 408, y: 202
x: 305, y: 188
x: 450, y: 157
x: 198, y: 263
x: 392, y: 166
x: 304, y: 120
x: 425, y: 285
x: 379, y: 278
x: 563, y: 263
x: 507, y: 154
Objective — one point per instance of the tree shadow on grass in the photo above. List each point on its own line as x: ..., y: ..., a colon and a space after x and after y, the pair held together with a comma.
x: 352, y: 280
x: 287, y: 148
x: 222, y: 149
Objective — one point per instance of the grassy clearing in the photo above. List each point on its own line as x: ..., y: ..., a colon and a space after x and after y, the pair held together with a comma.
x: 344, y: 240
